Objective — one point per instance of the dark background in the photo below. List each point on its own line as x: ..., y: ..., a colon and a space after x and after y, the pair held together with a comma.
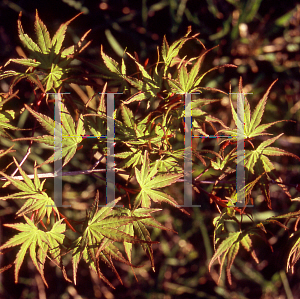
x: 267, y: 49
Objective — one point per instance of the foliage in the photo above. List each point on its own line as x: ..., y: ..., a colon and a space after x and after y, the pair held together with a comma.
x: 147, y: 151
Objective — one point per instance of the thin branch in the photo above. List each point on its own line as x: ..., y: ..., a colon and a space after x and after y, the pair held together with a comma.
x: 96, y: 164
x: 208, y: 182
x: 68, y: 173
x: 32, y: 134
x: 23, y: 160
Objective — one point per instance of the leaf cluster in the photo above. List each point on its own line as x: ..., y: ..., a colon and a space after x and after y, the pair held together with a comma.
x: 147, y: 154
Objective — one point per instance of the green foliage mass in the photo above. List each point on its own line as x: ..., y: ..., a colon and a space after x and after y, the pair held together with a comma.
x: 148, y: 118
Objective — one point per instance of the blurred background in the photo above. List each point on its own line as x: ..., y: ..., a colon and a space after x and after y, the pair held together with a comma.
x: 261, y: 37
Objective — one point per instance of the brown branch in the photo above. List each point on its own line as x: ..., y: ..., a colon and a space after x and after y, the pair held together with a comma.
x: 23, y: 160
x: 68, y: 173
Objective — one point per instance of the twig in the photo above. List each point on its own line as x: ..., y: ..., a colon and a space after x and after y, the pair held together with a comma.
x: 23, y: 160
x: 68, y: 173
x: 96, y: 164
x: 32, y: 134
x: 208, y: 182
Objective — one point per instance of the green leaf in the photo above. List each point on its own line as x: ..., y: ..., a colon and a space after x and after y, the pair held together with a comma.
x: 29, y: 238
x: 264, y: 144
x: 143, y: 234
x: 141, y: 68
x: 26, y: 40
x: 193, y: 73
x: 48, y: 68
x: 45, y: 121
x: 59, y: 36
x: 128, y: 117
x: 71, y: 134
x: 101, y: 228
x: 259, y: 109
x: 42, y: 33
x: 111, y: 64
x: 231, y: 255
x: 294, y: 253
x: 37, y: 200
x: 149, y: 185
x: 26, y: 62
x: 183, y: 78
x: 275, y: 151
x: 230, y: 245
x: 165, y: 48
x: 224, y: 247
x: 5, y: 118
x: 163, y: 180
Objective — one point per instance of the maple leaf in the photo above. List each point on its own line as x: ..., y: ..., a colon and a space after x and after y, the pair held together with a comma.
x: 37, y: 200
x: 50, y: 64
x: 101, y: 228
x: 149, y: 184
x: 36, y: 241
x: 71, y: 133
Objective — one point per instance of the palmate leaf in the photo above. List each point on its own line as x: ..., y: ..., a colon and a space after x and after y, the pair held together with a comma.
x: 30, y: 239
x: 256, y: 160
x: 229, y: 248
x: 188, y: 82
x: 147, y: 88
x: 170, y: 53
x: 251, y: 122
x: 37, y: 200
x: 131, y: 134
x: 138, y: 227
x: 71, y: 134
x: 47, y: 56
x: 148, y: 184
x: 102, y: 228
x: 48, y: 242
